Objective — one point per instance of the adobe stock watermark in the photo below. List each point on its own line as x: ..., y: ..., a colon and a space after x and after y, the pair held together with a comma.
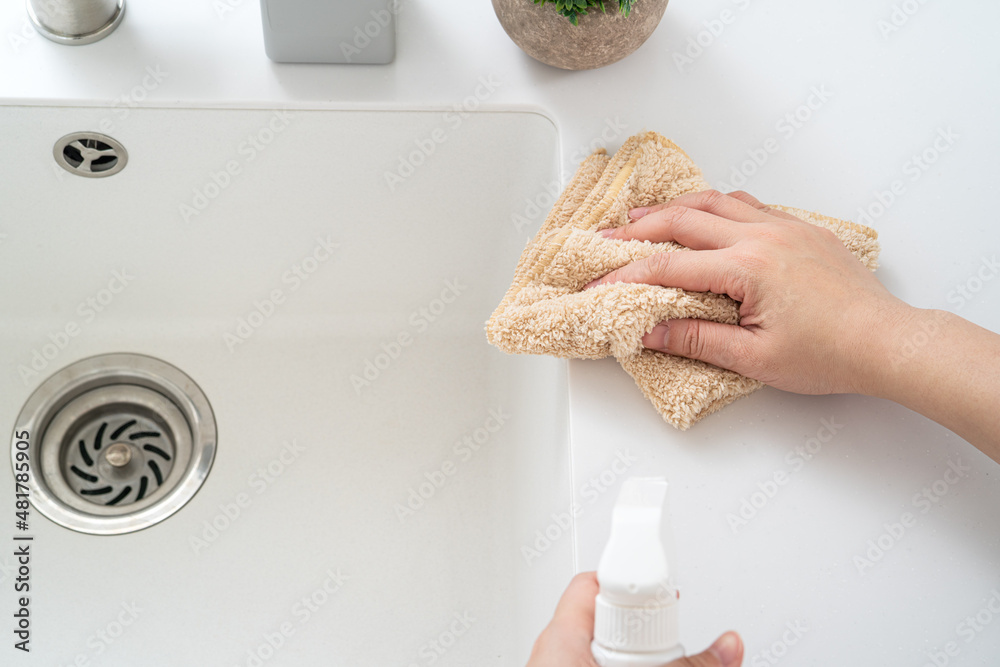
x: 86, y: 311
x: 638, y: 616
x: 106, y: 635
x: 365, y: 34
x: 292, y: 279
x: 711, y: 31
x: 786, y: 127
x: 24, y: 35
x: 300, y: 613
x: 420, y: 321
x: 223, y: 8
x: 259, y: 481
x: 121, y: 107
x: 463, y: 450
x: 612, y: 130
x: 247, y: 151
x: 913, y: 170
x: 751, y: 505
x: 535, y: 208
x: 779, y: 648
x: 47, y: 12
x: 900, y: 15
x: 435, y: 649
x: 922, y: 502
x: 427, y: 145
x: 561, y: 523
x: 931, y: 322
x: 964, y: 292
x: 925, y: 330
x: 967, y: 630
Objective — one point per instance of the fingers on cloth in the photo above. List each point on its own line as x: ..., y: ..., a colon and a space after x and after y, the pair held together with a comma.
x: 722, y: 345
x: 749, y: 199
x: 722, y: 205
x: 738, y: 206
x: 689, y: 227
x: 694, y: 271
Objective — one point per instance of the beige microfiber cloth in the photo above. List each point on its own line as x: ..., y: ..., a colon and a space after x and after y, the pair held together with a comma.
x: 545, y: 311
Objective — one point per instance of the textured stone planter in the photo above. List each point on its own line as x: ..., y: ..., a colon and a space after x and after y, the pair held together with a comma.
x: 599, y: 40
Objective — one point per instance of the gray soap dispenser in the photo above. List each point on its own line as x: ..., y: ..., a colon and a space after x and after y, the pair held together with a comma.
x: 330, y: 31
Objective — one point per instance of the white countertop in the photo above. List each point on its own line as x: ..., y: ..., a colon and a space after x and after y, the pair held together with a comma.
x: 879, y: 101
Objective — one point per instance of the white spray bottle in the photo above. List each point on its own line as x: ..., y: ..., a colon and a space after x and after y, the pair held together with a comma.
x: 635, y: 624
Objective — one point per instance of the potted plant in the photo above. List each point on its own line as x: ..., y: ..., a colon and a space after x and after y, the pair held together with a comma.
x: 579, y: 34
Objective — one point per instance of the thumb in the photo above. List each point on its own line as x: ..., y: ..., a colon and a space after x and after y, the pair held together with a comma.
x: 723, y: 345
x: 727, y: 651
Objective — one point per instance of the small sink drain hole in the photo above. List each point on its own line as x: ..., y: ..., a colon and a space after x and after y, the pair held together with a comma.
x: 90, y: 154
x: 105, y: 159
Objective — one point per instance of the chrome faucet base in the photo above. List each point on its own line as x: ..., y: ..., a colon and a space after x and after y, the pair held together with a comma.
x: 75, y: 22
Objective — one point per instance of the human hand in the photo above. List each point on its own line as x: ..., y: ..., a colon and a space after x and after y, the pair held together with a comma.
x: 566, y: 640
x: 810, y: 312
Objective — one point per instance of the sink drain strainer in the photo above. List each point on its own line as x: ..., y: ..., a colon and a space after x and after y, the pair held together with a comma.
x: 116, y: 443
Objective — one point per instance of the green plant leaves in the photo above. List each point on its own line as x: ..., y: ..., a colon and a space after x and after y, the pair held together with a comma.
x: 573, y: 9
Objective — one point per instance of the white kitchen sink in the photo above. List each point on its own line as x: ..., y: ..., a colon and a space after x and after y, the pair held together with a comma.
x: 324, y: 277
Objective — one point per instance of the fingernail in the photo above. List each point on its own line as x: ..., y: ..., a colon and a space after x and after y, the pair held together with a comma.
x: 727, y: 649
x: 592, y: 283
x: 607, y: 232
x: 657, y: 338
x: 638, y: 212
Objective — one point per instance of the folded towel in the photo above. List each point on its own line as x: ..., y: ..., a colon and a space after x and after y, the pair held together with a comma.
x: 546, y: 311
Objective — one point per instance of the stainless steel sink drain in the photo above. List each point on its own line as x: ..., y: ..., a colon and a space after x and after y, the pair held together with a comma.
x: 117, y: 443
